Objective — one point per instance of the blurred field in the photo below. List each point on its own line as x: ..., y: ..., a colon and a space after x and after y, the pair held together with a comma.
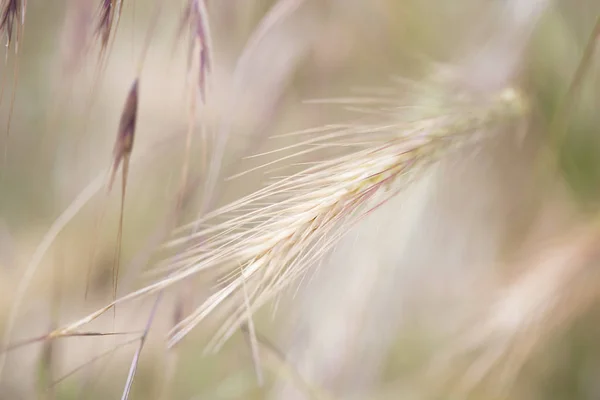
x: 479, y: 280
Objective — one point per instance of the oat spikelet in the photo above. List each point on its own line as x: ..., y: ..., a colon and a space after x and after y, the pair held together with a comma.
x: 126, y: 132
x: 108, y: 17
x: 12, y: 20
x: 279, y: 233
x: 195, y: 18
x: 121, y: 155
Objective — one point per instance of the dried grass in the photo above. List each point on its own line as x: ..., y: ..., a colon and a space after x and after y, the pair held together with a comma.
x: 263, y: 244
x: 309, y: 211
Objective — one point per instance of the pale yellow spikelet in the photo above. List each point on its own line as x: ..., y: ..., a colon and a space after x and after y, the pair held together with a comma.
x: 275, y: 236
x: 308, y: 212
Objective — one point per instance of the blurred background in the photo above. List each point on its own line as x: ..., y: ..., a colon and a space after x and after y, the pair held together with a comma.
x: 480, y: 280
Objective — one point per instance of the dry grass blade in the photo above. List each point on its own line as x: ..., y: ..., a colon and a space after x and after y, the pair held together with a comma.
x: 91, y: 361
x: 58, y: 225
x: 278, y: 13
x: 249, y: 329
x: 138, y: 352
x: 194, y: 19
x: 50, y: 236
x: 49, y: 357
x: 53, y: 335
x: 46, y: 371
x: 195, y: 16
x: 276, y: 361
x: 560, y: 118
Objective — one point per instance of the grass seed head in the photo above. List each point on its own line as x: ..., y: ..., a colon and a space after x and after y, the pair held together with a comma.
x: 13, y: 14
x: 195, y: 18
x: 126, y: 133
x: 307, y: 213
x: 275, y: 236
x: 105, y: 21
x: 109, y: 13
